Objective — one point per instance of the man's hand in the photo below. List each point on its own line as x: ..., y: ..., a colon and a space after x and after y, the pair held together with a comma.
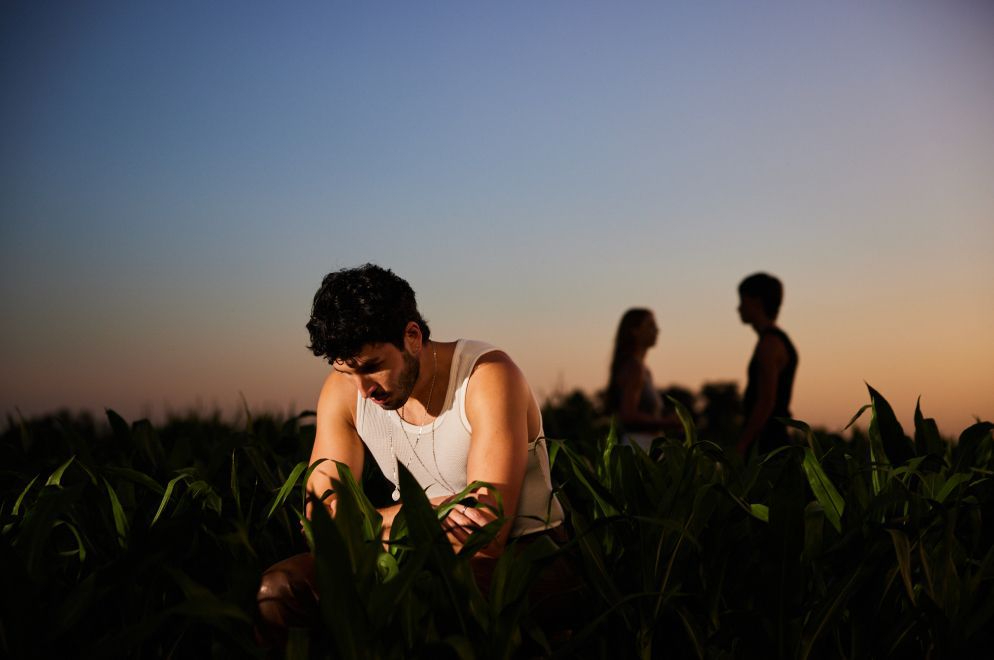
x: 331, y: 504
x: 466, y: 517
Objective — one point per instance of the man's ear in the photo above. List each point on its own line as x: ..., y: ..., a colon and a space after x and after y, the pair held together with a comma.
x: 412, y: 337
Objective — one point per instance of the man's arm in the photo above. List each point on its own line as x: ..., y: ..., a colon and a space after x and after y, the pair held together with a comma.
x: 771, y: 355
x: 501, y: 413
x: 335, y: 437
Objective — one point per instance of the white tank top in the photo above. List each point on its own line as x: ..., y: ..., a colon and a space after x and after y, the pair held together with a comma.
x: 437, y: 459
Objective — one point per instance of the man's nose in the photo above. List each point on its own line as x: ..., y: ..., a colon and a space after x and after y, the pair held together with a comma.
x: 366, y: 386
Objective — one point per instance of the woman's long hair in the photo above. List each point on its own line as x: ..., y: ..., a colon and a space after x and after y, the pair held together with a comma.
x: 624, y: 348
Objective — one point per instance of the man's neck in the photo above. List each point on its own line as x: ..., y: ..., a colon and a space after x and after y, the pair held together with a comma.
x: 426, y: 373
x: 762, y: 325
x: 435, y: 360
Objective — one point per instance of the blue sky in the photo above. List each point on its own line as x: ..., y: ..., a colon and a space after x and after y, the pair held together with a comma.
x: 175, y: 179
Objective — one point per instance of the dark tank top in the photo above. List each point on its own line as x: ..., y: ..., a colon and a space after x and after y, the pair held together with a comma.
x: 773, y: 433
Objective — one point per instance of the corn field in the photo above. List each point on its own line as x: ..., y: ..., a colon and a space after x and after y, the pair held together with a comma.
x: 132, y: 541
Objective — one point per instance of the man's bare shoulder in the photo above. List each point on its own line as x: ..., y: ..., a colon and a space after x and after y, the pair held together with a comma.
x: 495, y: 373
x: 494, y: 364
x: 338, y: 396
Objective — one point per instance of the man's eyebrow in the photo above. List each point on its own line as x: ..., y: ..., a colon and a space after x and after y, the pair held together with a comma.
x: 358, y: 367
x: 369, y: 365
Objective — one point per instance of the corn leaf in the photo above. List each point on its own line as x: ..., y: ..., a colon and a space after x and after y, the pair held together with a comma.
x: 927, y: 438
x: 120, y: 518
x: 261, y: 467
x: 120, y: 427
x: 167, y: 495
x: 895, y: 443
x: 361, y: 535
x: 135, y: 476
x: 55, y: 479
x: 20, y: 498
x: 760, y: 511
x: 610, y: 444
x: 385, y: 601
x: 466, y: 497
x: 902, y: 550
x: 592, y: 485
x: 687, y: 420
x: 824, y: 490
x: 955, y: 480
x: 201, y: 489
x: 878, y: 459
x: 342, y: 609
x: 236, y: 491
x: 307, y: 477
x: 39, y: 521
x: 809, y: 435
x: 554, y: 446
x: 814, y: 524
x: 859, y: 413
x: 80, y: 547
x: 386, y: 567
x: 143, y: 435
x: 970, y: 445
x: 287, y: 488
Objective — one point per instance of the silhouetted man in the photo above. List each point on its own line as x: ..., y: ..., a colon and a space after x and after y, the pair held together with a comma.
x: 772, y: 368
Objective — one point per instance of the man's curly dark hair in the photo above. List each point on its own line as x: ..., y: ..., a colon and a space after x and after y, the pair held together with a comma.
x: 359, y: 306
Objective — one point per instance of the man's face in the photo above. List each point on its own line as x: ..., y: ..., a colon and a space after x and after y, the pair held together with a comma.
x: 750, y: 309
x: 383, y: 373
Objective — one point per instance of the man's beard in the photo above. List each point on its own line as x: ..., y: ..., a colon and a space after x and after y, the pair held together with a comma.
x: 405, y: 382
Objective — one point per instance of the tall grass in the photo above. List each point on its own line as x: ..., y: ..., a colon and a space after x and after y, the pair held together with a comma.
x: 137, y: 541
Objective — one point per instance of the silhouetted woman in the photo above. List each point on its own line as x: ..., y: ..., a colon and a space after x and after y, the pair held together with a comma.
x: 631, y: 395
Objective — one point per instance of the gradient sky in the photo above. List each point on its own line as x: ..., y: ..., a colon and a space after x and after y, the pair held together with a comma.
x: 176, y: 178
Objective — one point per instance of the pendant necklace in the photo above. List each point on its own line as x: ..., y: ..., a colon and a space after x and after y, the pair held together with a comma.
x: 431, y: 390
x: 395, y: 495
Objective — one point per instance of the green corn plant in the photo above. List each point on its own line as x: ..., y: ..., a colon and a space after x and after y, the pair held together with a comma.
x: 134, y: 540
x: 140, y: 540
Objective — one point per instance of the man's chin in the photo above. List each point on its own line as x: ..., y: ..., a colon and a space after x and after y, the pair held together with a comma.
x: 389, y: 403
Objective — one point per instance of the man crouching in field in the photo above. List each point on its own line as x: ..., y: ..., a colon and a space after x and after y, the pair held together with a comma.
x: 451, y: 412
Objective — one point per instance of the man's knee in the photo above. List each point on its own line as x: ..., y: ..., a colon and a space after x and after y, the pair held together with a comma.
x: 287, y: 598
